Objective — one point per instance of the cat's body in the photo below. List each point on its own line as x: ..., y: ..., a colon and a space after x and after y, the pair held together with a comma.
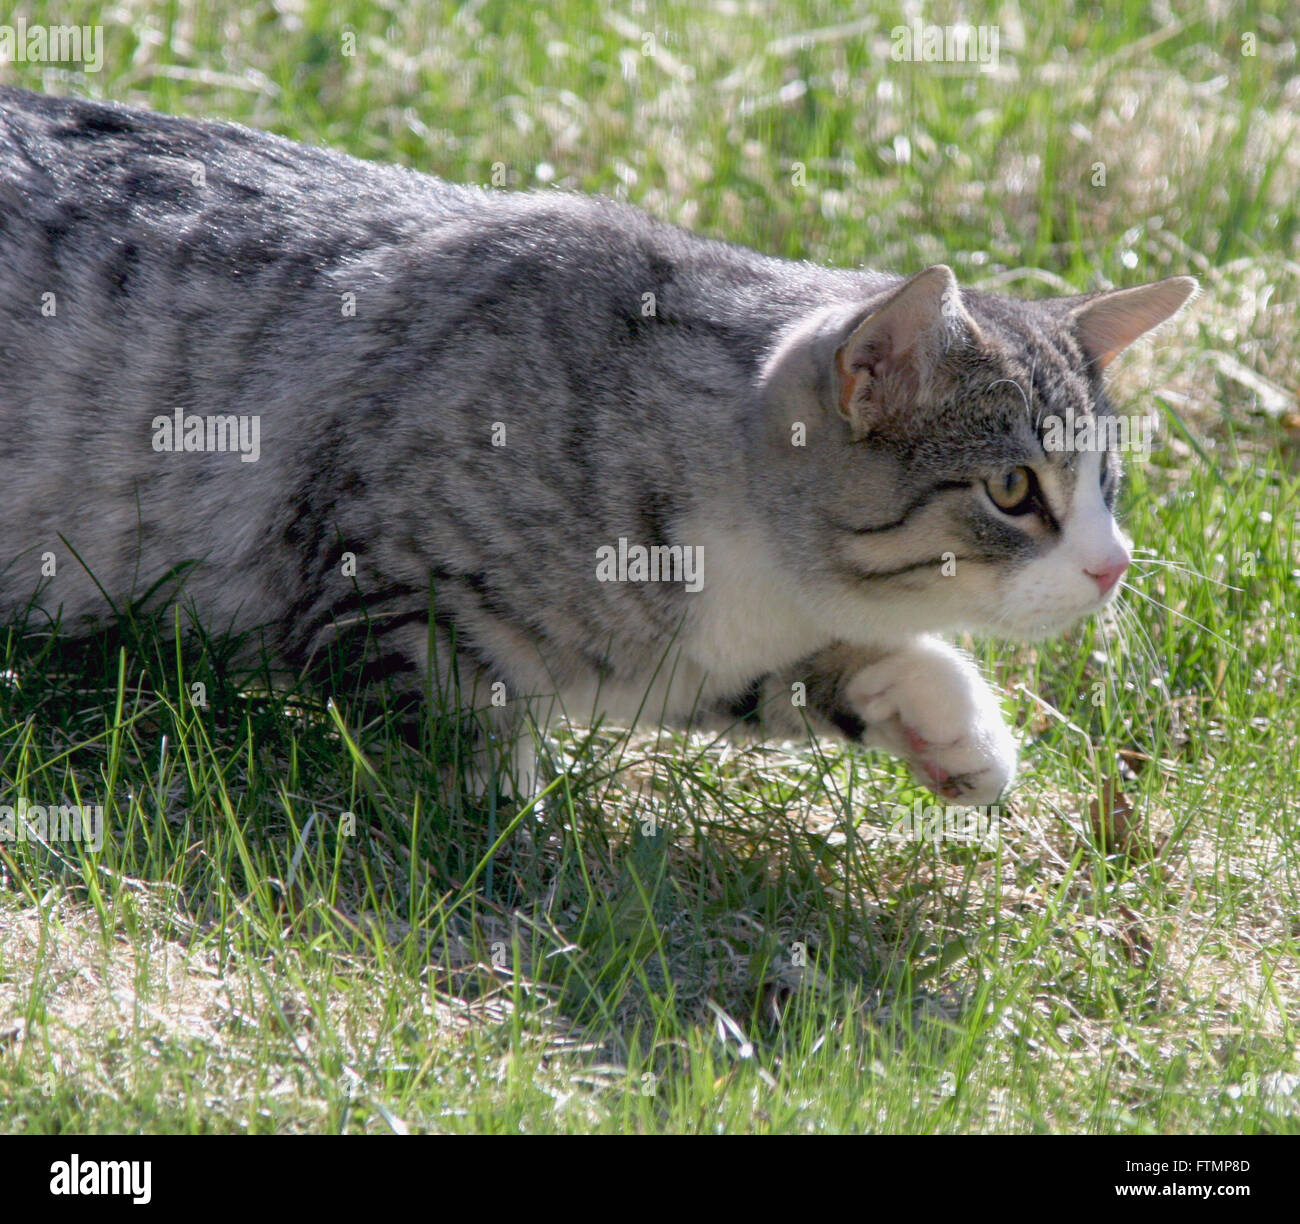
x: 506, y: 396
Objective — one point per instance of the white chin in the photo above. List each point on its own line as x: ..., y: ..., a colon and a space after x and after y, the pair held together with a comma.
x: 1034, y: 628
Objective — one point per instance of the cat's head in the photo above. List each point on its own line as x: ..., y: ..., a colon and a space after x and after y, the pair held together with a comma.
x: 958, y: 461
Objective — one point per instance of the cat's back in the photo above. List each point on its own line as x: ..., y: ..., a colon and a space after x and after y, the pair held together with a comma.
x: 98, y: 199
x: 65, y: 160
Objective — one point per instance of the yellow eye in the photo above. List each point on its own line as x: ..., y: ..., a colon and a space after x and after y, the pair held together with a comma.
x: 1012, y: 490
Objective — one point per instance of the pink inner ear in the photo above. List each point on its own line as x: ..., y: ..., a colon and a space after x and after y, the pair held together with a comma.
x: 848, y: 383
x: 891, y: 354
x: 878, y: 389
x: 894, y: 344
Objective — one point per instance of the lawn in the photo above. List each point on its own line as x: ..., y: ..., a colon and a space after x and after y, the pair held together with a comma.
x: 300, y: 920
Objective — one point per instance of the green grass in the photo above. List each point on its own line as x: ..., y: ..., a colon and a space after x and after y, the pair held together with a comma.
x: 691, y: 936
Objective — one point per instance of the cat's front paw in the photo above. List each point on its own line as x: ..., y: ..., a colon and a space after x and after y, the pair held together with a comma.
x: 928, y: 704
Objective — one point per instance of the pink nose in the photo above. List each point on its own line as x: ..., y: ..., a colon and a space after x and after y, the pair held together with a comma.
x: 1108, y: 577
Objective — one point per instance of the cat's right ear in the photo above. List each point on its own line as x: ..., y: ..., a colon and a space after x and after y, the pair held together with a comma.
x: 1107, y: 323
x: 885, y: 362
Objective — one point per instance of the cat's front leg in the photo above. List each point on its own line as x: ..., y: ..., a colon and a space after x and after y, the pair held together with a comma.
x: 927, y: 703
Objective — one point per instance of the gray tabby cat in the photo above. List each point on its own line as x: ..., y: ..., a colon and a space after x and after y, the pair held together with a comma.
x: 333, y: 386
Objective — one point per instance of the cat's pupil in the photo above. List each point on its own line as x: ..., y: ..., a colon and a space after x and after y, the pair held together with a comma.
x: 1011, y: 491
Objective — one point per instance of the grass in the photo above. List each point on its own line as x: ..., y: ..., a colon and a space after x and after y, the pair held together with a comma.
x: 299, y: 920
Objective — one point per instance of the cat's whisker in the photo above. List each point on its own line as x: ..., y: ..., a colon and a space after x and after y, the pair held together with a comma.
x: 1149, y: 556
x: 1134, y: 627
x: 1185, y: 569
x: 1128, y: 586
x: 1114, y: 631
x: 1138, y: 644
x: 1012, y: 383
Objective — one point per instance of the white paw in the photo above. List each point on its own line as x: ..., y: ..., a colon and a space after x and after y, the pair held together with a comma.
x: 928, y: 704
x: 507, y: 764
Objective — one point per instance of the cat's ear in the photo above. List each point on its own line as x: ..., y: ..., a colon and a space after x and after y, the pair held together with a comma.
x: 887, y: 358
x: 1107, y: 323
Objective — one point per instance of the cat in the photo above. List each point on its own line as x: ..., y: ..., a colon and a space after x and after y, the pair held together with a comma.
x: 605, y: 465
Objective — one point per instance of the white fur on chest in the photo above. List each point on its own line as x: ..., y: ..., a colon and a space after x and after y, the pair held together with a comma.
x: 745, y: 621
x: 748, y: 618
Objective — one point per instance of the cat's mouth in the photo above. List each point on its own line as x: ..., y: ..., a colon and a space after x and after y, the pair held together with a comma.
x: 1035, y: 624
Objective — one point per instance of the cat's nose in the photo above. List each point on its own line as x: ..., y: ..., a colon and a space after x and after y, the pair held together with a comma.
x: 1108, y: 575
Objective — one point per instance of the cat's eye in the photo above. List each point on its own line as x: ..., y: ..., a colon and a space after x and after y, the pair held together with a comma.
x: 1012, y: 492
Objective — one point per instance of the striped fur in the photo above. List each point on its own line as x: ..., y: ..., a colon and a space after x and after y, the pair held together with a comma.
x: 463, y: 396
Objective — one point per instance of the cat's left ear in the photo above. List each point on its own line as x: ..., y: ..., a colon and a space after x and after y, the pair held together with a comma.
x: 884, y: 364
x: 1107, y: 323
